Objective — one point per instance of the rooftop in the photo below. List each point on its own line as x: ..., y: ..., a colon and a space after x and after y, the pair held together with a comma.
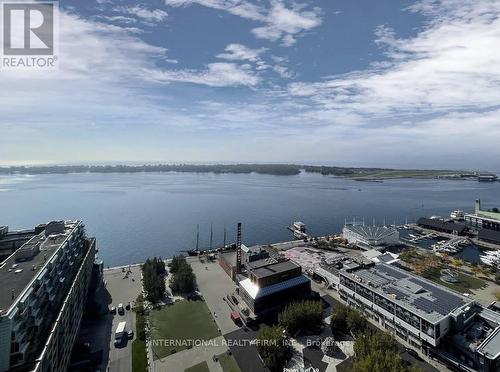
x: 255, y: 292
x: 18, y: 270
x: 274, y: 268
x: 440, y: 224
x: 491, y: 235
x: 420, y: 296
x: 490, y: 347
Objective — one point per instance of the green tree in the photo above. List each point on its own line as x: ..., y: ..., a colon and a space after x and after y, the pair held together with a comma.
x: 183, y: 281
x: 153, y: 273
x: 273, y: 348
x: 356, y: 322
x: 338, y: 321
x: 378, y: 352
x: 177, y: 261
x: 302, y: 317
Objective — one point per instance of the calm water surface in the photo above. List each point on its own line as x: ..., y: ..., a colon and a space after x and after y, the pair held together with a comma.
x: 138, y: 215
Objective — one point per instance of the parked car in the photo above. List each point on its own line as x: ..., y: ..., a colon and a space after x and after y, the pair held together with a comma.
x: 413, y: 353
x: 112, y: 310
x: 130, y: 334
x: 127, y: 307
x: 121, y: 310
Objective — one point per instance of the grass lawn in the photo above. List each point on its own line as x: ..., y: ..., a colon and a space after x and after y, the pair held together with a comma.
x: 465, y: 284
x: 201, y: 367
x: 139, y: 359
x: 182, y: 322
x: 228, y: 363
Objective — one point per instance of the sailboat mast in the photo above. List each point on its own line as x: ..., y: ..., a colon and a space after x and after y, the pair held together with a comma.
x: 197, y: 236
x: 211, y: 235
x: 224, y: 246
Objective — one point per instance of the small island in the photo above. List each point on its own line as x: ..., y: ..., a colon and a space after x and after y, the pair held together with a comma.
x: 359, y: 174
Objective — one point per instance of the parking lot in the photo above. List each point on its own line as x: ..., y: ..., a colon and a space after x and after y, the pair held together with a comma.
x: 122, y: 290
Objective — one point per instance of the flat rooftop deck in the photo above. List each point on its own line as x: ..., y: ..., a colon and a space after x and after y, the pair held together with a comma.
x: 16, y: 275
x: 274, y: 268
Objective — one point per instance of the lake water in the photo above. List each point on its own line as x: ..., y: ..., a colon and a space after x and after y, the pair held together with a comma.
x: 138, y: 215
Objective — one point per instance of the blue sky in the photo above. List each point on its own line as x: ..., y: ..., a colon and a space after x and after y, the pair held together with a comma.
x: 369, y: 83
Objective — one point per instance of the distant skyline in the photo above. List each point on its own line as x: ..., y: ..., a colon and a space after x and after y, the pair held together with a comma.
x: 401, y: 84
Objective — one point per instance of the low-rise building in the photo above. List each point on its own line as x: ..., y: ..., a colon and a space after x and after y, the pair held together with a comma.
x: 446, y: 226
x: 227, y: 260
x: 482, y: 219
x: 43, y: 291
x: 417, y: 310
x: 271, y: 284
x: 489, y: 236
x: 424, y: 314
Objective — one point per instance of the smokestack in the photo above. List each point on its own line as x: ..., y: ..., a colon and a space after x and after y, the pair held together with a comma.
x: 238, y: 249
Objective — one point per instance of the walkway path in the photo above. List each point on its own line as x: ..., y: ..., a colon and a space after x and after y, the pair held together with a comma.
x: 178, y: 362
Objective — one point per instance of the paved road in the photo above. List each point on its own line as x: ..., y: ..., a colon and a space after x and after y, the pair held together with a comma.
x: 122, y: 291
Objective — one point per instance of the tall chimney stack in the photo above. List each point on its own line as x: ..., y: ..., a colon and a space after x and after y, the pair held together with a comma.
x: 238, y: 249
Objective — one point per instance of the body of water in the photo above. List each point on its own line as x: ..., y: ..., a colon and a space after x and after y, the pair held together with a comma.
x: 137, y: 215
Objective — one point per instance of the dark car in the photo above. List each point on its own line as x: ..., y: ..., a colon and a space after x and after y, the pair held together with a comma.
x: 112, y: 310
x: 127, y: 307
x: 130, y: 334
x: 413, y: 353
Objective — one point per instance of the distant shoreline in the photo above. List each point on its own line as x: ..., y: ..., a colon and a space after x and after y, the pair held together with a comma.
x: 360, y: 174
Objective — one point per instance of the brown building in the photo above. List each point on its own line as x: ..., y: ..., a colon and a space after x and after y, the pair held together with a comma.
x: 227, y: 261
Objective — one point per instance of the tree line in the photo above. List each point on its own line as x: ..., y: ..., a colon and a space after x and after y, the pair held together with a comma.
x: 183, y: 279
x: 274, y: 169
x: 153, y: 274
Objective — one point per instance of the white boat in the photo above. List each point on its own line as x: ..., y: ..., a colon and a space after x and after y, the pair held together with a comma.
x: 300, y: 226
x: 491, y: 258
x: 457, y: 215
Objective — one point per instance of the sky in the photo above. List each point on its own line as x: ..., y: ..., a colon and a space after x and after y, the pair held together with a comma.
x: 393, y: 83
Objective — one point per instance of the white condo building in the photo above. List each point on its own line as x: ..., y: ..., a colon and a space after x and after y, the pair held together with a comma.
x: 44, y: 286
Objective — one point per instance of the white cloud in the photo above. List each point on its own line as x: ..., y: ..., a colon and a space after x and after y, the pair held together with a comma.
x: 284, y: 23
x: 216, y: 75
x: 435, y: 94
x: 239, y: 8
x: 149, y: 16
x: 280, y: 22
x: 240, y: 52
x: 453, y: 64
x: 120, y: 19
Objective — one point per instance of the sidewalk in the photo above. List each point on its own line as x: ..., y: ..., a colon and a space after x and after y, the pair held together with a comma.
x: 178, y: 362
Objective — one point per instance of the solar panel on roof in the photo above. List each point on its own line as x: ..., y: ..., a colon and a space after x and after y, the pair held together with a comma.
x: 442, y: 305
x: 424, y: 304
x: 399, y: 295
x: 373, y: 278
x: 390, y: 271
x: 452, y: 300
